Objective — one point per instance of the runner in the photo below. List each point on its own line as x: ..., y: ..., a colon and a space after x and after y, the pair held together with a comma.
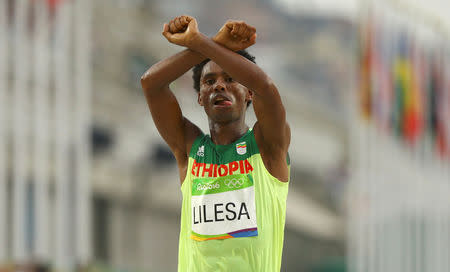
x: 234, y: 181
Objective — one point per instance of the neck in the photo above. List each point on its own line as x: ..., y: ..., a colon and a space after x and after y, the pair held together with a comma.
x: 226, y: 133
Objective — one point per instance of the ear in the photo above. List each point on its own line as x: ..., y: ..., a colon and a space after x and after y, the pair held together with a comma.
x: 199, y: 99
x: 249, y: 96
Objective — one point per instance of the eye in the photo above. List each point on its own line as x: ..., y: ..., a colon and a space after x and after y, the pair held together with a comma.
x: 210, y: 81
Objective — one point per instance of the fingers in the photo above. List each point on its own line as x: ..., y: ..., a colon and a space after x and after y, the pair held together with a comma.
x: 165, y: 28
x: 188, y: 18
x: 235, y: 30
x: 252, y: 39
x: 181, y: 30
x: 229, y: 24
x: 249, y: 32
x: 240, y: 29
x: 172, y: 27
x: 193, y: 25
x: 184, y: 21
x: 179, y: 24
x: 246, y: 33
x: 166, y: 32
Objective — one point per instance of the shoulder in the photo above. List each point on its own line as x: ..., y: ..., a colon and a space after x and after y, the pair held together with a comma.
x: 280, y: 146
x: 274, y: 154
x: 192, y: 147
x: 191, y: 134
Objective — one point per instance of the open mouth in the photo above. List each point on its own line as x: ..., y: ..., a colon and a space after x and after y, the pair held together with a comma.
x: 222, y: 101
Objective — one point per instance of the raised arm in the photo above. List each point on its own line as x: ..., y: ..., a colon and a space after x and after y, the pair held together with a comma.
x: 176, y: 130
x: 271, y: 129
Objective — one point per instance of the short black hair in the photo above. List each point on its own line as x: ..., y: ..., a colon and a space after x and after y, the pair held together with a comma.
x: 197, y: 70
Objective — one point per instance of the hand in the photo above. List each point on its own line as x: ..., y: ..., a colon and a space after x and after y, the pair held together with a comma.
x: 182, y: 30
x: 236, y: 35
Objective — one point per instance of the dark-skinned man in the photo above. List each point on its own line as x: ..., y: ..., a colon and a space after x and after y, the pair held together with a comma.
x: 234, y: 181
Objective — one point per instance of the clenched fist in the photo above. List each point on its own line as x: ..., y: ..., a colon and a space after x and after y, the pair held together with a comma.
x: 182, y: 30
x: 236, y: 35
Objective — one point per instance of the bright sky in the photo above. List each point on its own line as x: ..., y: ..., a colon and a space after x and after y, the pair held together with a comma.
x: 434, y: 8
x: 332, y: 7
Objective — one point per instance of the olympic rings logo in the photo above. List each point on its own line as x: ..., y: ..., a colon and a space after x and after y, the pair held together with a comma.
x: 234, y: 183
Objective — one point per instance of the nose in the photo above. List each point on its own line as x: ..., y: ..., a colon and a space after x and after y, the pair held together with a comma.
x: 220, y: 86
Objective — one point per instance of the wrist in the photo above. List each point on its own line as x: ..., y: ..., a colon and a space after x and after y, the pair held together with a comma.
x: 219, y: 42
x: 197, y: 41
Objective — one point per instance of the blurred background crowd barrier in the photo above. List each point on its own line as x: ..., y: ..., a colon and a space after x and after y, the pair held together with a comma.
x: 87, y: 184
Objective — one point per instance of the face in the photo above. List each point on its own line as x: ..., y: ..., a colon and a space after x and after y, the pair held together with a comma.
x: 224, y: 99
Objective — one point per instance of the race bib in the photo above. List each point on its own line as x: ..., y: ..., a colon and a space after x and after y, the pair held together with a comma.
x: 223, y: 207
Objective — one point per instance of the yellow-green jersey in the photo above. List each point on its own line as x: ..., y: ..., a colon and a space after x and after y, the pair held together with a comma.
x: 233, y: 211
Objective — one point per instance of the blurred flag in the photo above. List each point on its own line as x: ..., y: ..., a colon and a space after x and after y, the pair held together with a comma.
x: 375, y: 72
x: 407, y: 112
x: 365, y: 55
x: 441, y: 111
x: 446, y: 107
x: 401, y: 79
x: 421, y: 74
x: 436, y: 120
x: 413, y: 108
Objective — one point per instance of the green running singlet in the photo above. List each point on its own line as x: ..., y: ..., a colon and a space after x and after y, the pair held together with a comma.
x: 233, y: 212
